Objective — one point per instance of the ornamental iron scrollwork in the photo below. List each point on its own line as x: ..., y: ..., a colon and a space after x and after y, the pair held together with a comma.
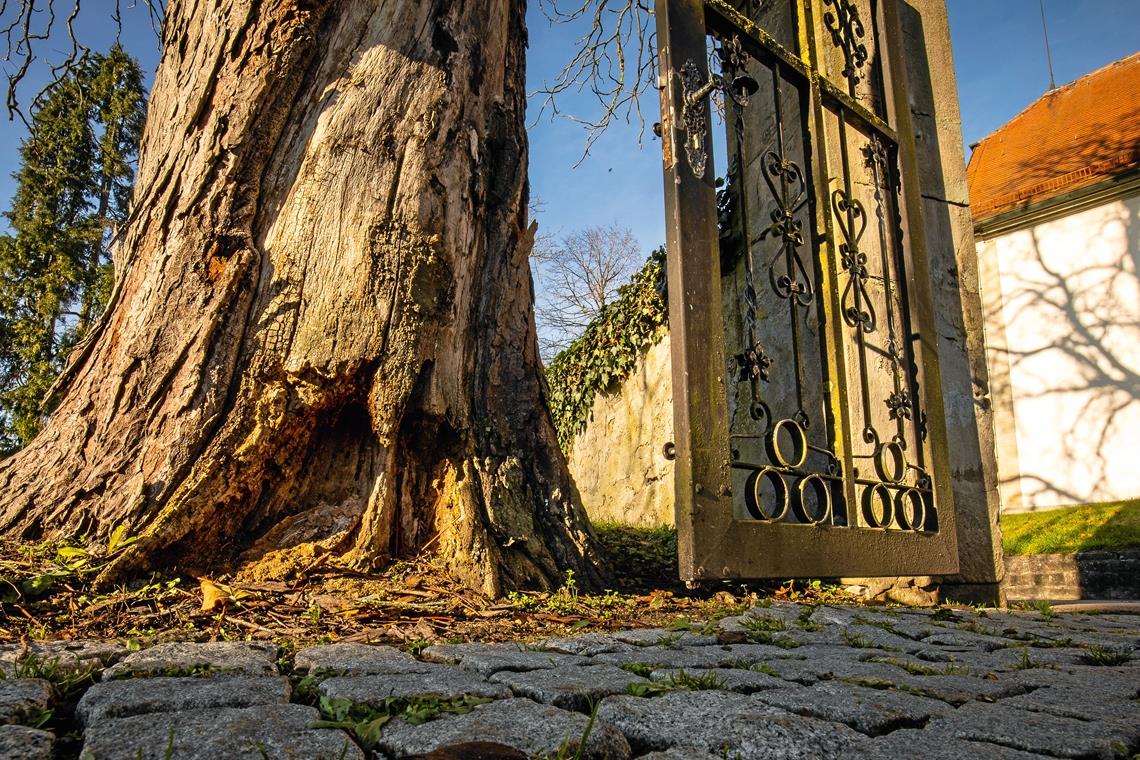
x: 791, y: 196
x: 785, y: 486
x: 899, y: 401
x: 819, y: 333
x: 801, y: 350
x: 847, y: 31
x: 851, y: 217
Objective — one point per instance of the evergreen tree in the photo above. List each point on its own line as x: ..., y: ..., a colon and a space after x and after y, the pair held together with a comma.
x: 74, y: 186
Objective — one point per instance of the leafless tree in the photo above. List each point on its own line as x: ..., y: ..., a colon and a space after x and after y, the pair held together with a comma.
x: 576, y: 277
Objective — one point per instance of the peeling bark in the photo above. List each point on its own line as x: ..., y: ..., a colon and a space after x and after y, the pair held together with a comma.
x: 322, y: 331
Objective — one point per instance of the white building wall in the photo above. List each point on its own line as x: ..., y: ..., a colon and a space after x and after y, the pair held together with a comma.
x: 1067, y: 324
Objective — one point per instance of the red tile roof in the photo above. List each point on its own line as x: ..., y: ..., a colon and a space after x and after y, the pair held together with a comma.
x: 1070, y: 138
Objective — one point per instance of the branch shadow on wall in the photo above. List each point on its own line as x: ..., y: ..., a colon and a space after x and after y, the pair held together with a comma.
x: 1073, y: 347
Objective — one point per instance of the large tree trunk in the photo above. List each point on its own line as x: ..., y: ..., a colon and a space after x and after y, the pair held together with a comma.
x: 323, y: 330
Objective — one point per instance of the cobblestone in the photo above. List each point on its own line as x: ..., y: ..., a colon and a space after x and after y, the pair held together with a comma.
x: 64, y: 656
x: 519, y: 723
x: 21, y: 697
x: 731, y: 724
x: 278, y: 732
x: 24, y: 743
x: 868, y: 711
x: 491, y: 658
x: 731, y: 679
x: 236, y: 657
x: 440, y: 680
x: 1036, y: 732
x: 866, y: 684
x: 571, y: 688
x: 351, y: 659
x: 142, y: 696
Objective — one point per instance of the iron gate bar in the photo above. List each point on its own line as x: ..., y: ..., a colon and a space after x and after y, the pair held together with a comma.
x: 712, y: 542
x: 825, y: 226
x: 725, y: 19
x: 909, y: 226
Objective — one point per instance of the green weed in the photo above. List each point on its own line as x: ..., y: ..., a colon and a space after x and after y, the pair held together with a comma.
x: 1026, y: 663
x: 1104, y: 656
x: 366, y: 721
x: 856, y: 640
x: 577, y: 747
x: 681, y: 681
x: 1038, y: 605
x: 805, y: 622
x: 918, y: 669
x: 639, y: 668
x: 884, y: 625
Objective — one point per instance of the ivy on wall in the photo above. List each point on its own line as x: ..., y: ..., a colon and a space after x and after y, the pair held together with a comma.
x: 609, y: 349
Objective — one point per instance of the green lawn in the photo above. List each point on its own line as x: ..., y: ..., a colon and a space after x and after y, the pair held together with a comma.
x: 1114, y: 525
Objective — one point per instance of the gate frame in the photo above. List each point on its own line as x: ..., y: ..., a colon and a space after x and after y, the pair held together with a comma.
x: 712, y: 542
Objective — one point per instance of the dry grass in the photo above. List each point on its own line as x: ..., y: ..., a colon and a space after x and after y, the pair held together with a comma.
x: 46, y: 593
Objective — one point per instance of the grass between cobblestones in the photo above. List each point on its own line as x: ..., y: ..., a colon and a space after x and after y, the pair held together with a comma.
x: 766, y: 622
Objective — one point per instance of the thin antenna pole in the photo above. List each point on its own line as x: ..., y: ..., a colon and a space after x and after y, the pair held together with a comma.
x: 1048, y: 52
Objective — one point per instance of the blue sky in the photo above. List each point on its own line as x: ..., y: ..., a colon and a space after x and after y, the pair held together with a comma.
x: 999, y: 61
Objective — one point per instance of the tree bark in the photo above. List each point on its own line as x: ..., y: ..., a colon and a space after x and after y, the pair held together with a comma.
x: 322, y: 332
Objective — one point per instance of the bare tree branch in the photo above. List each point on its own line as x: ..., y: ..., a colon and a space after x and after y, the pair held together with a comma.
x: 616, y: 61
x: 27, y: 25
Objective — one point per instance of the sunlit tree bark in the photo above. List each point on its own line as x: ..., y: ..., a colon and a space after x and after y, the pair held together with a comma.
x: 322, y: 334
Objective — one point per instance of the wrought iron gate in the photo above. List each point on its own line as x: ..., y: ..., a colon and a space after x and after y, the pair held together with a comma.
x: 806, y: 440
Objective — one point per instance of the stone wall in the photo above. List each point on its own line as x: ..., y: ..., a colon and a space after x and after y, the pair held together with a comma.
x: 1088, y: 575
x: 618, y: 462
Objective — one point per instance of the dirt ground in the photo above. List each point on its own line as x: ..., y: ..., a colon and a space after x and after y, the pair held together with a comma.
x: 46, y: 592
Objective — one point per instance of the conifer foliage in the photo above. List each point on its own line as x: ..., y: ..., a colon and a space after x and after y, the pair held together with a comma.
x: 74, y: 188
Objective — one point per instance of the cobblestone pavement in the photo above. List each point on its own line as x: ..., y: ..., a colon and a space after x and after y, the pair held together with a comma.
x: 782, y: 681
